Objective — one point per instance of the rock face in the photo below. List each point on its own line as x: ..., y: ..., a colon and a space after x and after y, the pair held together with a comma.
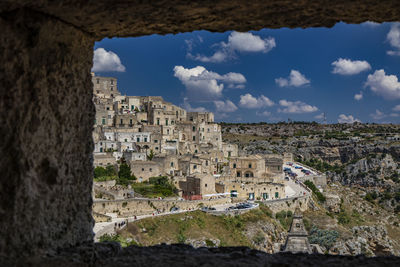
x: 45, y: 126
x: 134, y: 18
x: 367, y: 240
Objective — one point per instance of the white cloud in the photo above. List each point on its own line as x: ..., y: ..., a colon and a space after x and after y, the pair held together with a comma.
x: 346, y: 66
x: 249, y: 101
x: 396, y: 108
x: 319, y: 116
x: 225, y: 106
x: 264, y: 113
x: 248, y: 42
x: 295, y: 79
x: 378, y: 115
x: 296, y: 107
x: 371, y: 24
x: 393, y: 37
x: 186, y: 105
x: 359, y: 96
x: 387, y: 86
x: 106, y: 61
x: 217, y: 57
x: 237, y: 42
x: 347, y: 119
x: 203, y: 85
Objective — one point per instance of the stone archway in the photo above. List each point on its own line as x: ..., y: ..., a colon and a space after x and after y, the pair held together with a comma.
x: 47, y: 114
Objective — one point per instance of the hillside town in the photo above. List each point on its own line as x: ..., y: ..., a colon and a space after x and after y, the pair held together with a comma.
x: 298, y: 187
x: 157, y: 138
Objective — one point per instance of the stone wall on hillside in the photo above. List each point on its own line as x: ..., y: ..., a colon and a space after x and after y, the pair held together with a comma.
x: 136, y: 207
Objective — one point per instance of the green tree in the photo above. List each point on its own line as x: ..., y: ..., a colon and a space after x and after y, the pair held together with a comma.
x: 111, y: 171
x: 124, y: 174
x: 151, y: 155
x: 99, y: 172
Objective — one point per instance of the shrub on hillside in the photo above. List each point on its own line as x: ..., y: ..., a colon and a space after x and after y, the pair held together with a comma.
x: 321, y: 237
x: 315, y: 190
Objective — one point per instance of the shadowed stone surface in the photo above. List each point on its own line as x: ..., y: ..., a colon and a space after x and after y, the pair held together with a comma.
x: 107, y: 18
x: 45, y: 128
x: 46, y: 50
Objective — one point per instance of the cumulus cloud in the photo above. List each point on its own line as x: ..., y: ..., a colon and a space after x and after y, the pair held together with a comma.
x: 188, y: 107
x: 346, y: 66
x: 295, y: 107
x: 203, y: 85
x: 359, y: 96
x: 106, y: 61
x: 237, y: 42
x: 263, y: 113
x: 384, y: 85
x: 396, y: 108
x: 249, y: 101
x: 378, y: 115
x: 295, y: 79
x: 347, y: 119
x: 225, y: 106
x: 393, y: 37
x: 319, y: 116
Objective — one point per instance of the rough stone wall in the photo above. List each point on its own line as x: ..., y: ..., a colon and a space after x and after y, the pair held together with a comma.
x: 105, y: 18
x: 46, y: 134
x: 131, y: 207
x: 290, y: 204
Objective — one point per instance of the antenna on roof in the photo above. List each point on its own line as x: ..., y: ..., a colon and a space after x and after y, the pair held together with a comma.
x: 324, y: 118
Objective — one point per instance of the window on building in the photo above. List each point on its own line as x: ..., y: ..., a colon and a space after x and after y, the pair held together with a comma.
x: 98, y: 81
x: 208, y: 130
x: 229, y: 153
x: 112, y: 89
x: 156, y: 141
x: 206, y: 162
x: 150, y: 170
x: 112, y: 95
x: 98, y: 91
x: 238, y: 174
x: 234, y: 165
x: 205, y: 185
x: 194, y: 138
x: 132, y: 107
x: 137, y: 139
x: 142, y: 169
x: 194, y: 128
x: 121, y: 121
x: 103, y: 121
x: 130, y: 121
x: 194, y: 167
x: 126, y: 140
x: 276, y: 194
x: 112, y: 81
x: 167, y: 131
x: 156, y: 147
x: 172, y: 164
x: 158, y: 121
x: 250, y: 166
x: 145, y: 139
x: 191, y: 118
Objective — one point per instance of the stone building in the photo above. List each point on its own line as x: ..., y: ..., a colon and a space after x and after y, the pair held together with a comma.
x: 198, y: 186
x: 143, y: 170
x: 105, y: 87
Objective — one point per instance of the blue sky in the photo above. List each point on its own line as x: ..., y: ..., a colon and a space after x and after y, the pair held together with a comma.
x: 348, y: 72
